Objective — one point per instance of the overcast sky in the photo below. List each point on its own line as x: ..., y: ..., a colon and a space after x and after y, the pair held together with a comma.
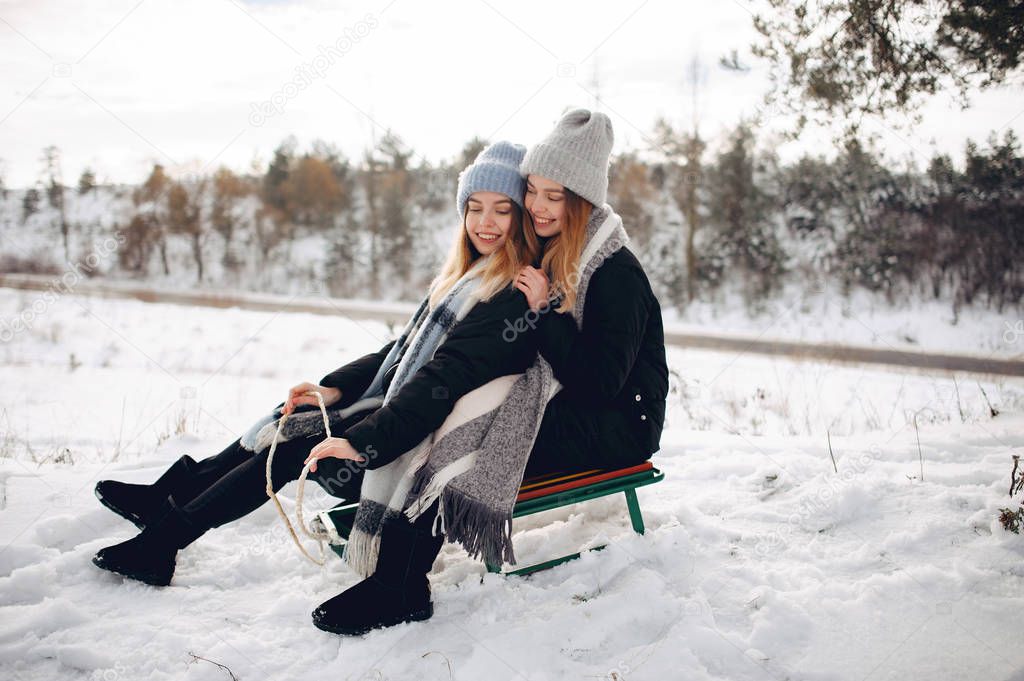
x: 119, y: 85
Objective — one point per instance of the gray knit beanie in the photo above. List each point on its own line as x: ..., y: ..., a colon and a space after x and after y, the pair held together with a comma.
x: 496, y: 169
x: 575, y: 154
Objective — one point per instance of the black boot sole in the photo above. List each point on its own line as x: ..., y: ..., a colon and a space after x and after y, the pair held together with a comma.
x: 146, y: 577
x: 137, y: 520
x: 350, y: 630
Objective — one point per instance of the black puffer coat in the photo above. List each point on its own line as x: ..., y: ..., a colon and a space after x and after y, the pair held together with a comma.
x: 611, y: 409
x: 477, y: 350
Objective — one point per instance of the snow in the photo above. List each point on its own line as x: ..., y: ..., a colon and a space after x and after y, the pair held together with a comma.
x: 760, y: 560
x: 799, y: 313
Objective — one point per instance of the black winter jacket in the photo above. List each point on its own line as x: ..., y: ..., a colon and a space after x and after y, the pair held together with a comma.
x: 483, y: 346
x: 617, y: 360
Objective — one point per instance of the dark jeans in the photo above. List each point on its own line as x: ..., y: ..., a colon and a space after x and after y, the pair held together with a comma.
x: 233, y: 483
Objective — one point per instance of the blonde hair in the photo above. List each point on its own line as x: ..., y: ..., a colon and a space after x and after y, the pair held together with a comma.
x: 519, y: 249
x: 562, y: 252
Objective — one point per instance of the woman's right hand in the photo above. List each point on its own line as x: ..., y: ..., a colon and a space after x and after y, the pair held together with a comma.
x: 534, y: 284
x: 296, y: 396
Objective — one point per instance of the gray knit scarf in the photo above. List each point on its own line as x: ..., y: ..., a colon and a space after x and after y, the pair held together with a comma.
x: 473, y: 463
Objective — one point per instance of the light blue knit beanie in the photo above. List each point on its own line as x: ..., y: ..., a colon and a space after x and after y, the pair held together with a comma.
x: 496, y: 169
x: 575, y: 154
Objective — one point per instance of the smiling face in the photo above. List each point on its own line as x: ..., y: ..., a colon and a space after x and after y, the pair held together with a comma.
x: 488, y: 220
x: 545, y: 200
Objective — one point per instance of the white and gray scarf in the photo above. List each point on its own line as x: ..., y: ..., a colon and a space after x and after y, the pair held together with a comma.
x: 474, y: 462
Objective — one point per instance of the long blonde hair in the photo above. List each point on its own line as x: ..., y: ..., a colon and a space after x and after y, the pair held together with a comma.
x: 562, y: 252
x: 519, y: 249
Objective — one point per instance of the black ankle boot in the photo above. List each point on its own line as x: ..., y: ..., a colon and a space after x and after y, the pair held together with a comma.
x: 150, y: 556
x: 139, y: 503
x: 398, y: 591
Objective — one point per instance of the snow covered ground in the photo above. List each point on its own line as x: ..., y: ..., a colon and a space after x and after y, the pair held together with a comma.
x: 760, y: 562
x: 803, y: 313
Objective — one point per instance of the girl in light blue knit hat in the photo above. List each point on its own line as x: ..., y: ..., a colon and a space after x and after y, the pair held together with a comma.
x: 490, y: 202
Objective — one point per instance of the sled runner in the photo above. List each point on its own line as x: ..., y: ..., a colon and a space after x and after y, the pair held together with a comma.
x: 541, y: 493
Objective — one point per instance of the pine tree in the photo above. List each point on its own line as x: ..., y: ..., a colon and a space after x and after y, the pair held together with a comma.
x: 470, y: 150
x: 29, y: 204
x: 55, y: 194
x: 684, y: 174
x: 396, y: 228
x: 86, y: 182
x: 845, y: 60
x: 277, y: 175
x: 879, y: 249
x: 743, y: 239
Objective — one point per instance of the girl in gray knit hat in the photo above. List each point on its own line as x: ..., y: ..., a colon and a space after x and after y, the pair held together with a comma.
x: 599, y: 324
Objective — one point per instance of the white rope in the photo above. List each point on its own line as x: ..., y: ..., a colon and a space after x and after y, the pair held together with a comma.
x: 318, y: 536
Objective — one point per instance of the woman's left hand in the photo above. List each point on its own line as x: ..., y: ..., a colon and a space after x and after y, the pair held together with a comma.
x: 337, y: 447
x: 535, y: 286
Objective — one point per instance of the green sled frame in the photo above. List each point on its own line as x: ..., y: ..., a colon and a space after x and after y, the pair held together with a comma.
x: 542, y: 493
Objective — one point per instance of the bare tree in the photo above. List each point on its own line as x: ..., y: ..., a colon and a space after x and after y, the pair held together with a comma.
x: 184, y: 217
x: 151, y: 202
x: 228, y: 190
